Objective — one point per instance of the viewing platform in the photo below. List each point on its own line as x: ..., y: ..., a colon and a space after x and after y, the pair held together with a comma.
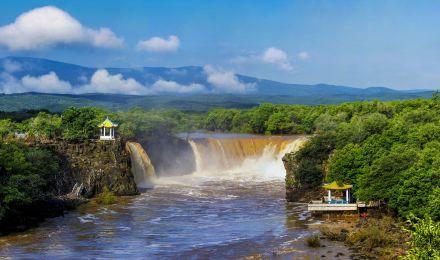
x: 333, y: 203
x: 320, y: 206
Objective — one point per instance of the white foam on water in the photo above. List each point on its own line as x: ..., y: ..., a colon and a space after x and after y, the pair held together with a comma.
x: 265, y: 165
x: 88, y: 218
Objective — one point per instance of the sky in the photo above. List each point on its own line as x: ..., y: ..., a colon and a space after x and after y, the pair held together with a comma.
x: 354, y: 43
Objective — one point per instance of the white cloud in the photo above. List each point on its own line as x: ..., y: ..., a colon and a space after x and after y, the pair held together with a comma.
x: 226, y: 81
x: 271, y: 55
x: 157, y: 44
x: 11, y: 66
x: 47, y: 26
x: 48, y: 83
x: 104, y: 82
x: 303, y: 55
x: 9, y: 84
x: 174, y: 87
x: 276, y: 56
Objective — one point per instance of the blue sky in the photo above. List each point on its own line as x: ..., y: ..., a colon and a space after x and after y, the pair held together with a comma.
x: 355, y: 43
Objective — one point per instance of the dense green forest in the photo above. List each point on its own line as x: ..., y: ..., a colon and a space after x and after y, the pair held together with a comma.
x: 192, y: 102
x: 389, y: 151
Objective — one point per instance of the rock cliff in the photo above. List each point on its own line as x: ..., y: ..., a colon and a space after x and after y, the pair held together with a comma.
x: 297, y: 189
x: 88, y: 167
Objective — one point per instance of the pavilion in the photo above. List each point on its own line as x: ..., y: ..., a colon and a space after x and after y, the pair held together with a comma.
x: 107, y: 130
x: 333, y: 203
x: 337, y: 187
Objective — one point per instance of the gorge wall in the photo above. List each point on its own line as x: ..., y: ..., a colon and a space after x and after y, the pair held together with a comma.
x: 297, y: 188
x: 88, y: 167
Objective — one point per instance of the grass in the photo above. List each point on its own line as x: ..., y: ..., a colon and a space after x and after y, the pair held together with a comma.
x: 106, y: 197
x: 313, y: 241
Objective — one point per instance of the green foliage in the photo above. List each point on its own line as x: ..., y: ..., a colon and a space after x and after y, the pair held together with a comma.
x: 220, y: 119
x: 381, y: 179
x: 141, y: 124
x: 7, y: 127
x: 45, y: 125
x: 81, y: 123
x: 345, y: 164
x: 425, y: 242
x: 26, y: 175
x: 310, y: 159
x: 106, y: 197
x: 416, y: 192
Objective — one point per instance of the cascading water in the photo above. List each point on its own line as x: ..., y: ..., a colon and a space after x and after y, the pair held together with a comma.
x: 249, y: 157
x: 141, y: 166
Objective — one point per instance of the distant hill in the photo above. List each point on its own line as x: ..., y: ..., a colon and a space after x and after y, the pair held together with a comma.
x: 265, y: 90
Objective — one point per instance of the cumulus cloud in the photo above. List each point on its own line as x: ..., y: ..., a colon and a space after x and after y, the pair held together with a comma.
x: 157, y: 44
x: 48, y: 83
x: 303, y: 55
x: 47, y: 26
x: 271, y: 55
x: 276, y: 56
x: 103, y: 82
x: 161, y: 86
x: 9, y: 84
x: 226, y: 81
x: 100, y: 82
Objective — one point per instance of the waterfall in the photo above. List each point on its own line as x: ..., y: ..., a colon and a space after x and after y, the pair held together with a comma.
x: 141, y: 166
x: 255, y: 157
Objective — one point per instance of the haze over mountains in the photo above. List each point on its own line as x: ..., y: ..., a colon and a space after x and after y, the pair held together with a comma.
x: 174, y: 85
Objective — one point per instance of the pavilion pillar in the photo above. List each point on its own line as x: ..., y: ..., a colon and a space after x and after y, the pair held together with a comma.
x: 329, y: 195
x: 347, y: 195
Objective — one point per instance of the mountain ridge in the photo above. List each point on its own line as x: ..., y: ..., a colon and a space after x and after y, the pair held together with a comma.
x: 76, y: 75
x: 267, y: 91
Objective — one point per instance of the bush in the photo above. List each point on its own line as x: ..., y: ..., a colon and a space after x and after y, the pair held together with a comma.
x: 425, y: 242
x: 106, y: 197
x: 313, y: 241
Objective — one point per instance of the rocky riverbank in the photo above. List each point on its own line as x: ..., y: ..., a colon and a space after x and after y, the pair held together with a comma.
x: 86, y: 169
x: 380, y: 237
x: 92, y: 166
x: 298, y: 189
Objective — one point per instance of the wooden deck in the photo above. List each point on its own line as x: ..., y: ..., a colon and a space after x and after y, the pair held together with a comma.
x: 332, y: 207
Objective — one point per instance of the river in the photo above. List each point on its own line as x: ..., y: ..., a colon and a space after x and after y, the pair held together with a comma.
x: 233, y: 211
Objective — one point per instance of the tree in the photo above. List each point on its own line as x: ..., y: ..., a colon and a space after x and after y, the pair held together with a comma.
x: 346, y: 164
x: 45, y: 125
x: 281, y: 123
x: 81, y: 123
x: 381, y: 179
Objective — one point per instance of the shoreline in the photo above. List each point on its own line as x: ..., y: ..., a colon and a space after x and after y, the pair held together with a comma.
x: 37, y: 213
x: 372, y: 237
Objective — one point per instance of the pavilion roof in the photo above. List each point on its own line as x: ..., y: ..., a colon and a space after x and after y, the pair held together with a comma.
x: 108, y: 123
x: 335, y: 186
